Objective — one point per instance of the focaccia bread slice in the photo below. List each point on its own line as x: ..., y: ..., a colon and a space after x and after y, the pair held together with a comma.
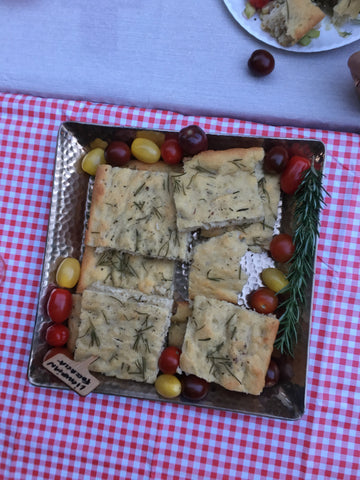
x: 258, y: 235
x: 134, y: 211
x: 125, y: 329
x: 289, y: 20
x: 152, y: 276
x: 215, y: 270
x: 228, y: 345
x: 218, y: 188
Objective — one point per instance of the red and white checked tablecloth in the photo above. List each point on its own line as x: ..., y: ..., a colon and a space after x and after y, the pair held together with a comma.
x: 52, y: 434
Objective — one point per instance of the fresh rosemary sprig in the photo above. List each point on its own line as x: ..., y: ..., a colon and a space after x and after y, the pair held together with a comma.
x: 309, y: 201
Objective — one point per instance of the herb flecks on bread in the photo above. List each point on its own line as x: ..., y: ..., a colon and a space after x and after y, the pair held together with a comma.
x: 228, y: 345
x: 218, y: 188
x: 133, y: 211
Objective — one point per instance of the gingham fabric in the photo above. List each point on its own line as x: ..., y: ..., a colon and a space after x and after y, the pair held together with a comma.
x: 50, y: 434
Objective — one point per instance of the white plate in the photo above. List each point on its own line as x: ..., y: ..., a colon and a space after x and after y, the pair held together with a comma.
x: 329, y: 38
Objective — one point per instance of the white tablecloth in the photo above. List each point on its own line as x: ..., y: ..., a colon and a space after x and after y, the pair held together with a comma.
x: 186, y: 56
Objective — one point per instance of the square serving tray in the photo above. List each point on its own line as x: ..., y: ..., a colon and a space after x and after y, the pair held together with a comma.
x: 67, y: 222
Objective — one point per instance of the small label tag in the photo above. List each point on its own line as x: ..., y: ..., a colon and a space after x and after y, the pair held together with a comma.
x: 75, y: 374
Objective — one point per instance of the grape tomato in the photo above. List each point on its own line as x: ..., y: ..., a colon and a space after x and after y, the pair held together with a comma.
x: 56, y: 350
x: 92, y: 160
x: 171, y: 151
x: 276, y: 159
x: 117, y: 153
x: 169, y: 360
x: 157, y: 137
x: 261, y: 63
x: 193, y: 139
x: 145, y: 150
x: 57, y: 335
x: 168, y: 386
x: 194, y: 388
x: 273, y: 374
x: 292, y: 176
x: 282, y: 248
x: 274, y: 279
x: 263, y: 300
x: 59, y: 305
x: 68, y: 272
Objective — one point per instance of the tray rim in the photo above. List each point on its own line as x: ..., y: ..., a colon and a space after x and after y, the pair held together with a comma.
x: 154, y: 396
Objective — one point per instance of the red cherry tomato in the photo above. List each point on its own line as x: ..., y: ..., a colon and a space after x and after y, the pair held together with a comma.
x: 258, y: 3
x: 171, y: 152
x: 54, y: 351
x: 293, y: 174
x: 276, y: 159
x: 169, y: 360
x: 59, y: 305
x: 194, y: 388
x: 263, y: 300
x: 57, y: 335
x: 282, y: 247
x: 117, y: 153
x: 272, y: 374
x: 193, y: 139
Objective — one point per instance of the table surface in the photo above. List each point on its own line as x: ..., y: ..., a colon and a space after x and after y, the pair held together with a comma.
x: 190, y: 59
x: 157, y: 64
x: 51, y: 434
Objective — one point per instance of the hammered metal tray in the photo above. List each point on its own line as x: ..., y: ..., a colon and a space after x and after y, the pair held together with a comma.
x: 67, y: 221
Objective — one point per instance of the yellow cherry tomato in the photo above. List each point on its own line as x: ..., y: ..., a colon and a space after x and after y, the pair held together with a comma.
x: 92, y: 160
x: 156, y: 137
x: 98, y: 143
x: 68, y: 273
x: 274, y: 279
x: 168, y: 386
x: 145, y: 150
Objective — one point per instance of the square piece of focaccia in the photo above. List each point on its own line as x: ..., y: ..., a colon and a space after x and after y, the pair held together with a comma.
x: 228, y: 345
x: 258, y: 235
x: 152, y: 276
x: 215, y: 270
x: 218, y: 188
x: 125, y: 329
x: 133, y: 211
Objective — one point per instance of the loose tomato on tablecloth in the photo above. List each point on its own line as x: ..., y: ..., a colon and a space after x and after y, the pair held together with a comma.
x: 293, y: 174
x: 59, y: 305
